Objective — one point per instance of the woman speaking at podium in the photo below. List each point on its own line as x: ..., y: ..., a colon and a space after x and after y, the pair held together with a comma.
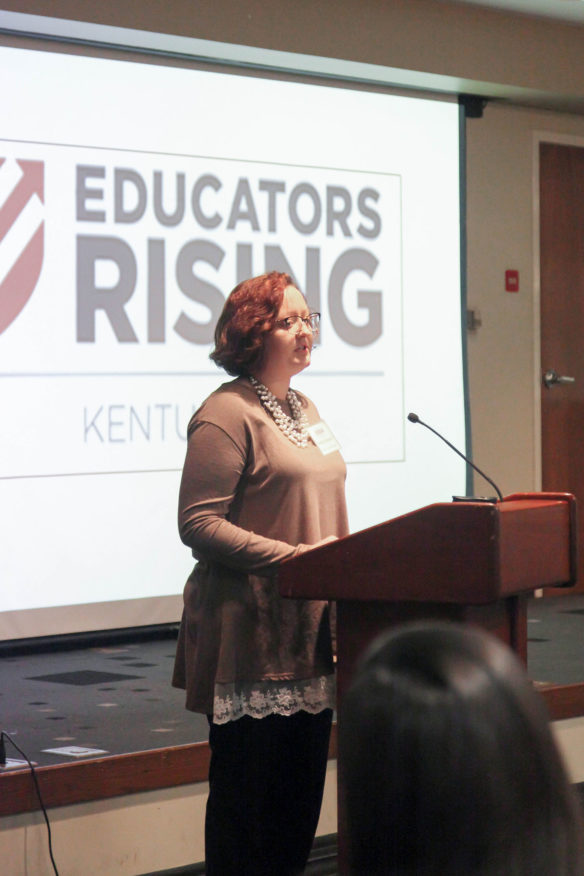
x: 263, y: 480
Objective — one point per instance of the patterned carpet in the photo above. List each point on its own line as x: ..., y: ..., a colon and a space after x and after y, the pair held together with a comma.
x: 555, y: 635
x: 116, y: 697
x: 113, y: 698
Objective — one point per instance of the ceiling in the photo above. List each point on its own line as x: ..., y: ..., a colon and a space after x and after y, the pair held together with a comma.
x: 562, y: 10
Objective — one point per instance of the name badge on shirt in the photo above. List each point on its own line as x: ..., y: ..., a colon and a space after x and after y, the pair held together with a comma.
x: 323, y: 438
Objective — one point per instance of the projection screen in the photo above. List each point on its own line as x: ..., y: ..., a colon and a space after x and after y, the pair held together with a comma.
x: 133, y: 197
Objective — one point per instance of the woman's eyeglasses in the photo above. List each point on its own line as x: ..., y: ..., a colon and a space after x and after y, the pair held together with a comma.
x: 312, y: 321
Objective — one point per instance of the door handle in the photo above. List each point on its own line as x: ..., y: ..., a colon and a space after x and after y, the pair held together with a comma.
x: 552, y: 378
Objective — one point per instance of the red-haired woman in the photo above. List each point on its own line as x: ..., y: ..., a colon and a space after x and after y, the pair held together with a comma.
x: 258, y: 488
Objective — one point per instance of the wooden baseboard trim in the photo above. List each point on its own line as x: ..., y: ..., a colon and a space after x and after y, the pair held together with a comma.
x: 100, y: 778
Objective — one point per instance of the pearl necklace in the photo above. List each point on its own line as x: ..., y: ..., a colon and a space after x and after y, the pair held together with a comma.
x: 295, y: 428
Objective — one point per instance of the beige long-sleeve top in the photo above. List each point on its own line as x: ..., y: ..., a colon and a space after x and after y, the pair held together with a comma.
x: 250, y: 498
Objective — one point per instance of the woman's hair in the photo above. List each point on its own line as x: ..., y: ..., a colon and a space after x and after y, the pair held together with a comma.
x: 248, y: 315
x: 449, y: 767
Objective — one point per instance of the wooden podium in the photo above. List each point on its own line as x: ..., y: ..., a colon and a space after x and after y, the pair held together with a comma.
x: 475, y: 562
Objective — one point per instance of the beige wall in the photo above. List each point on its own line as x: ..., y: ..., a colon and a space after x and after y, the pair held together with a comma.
x: 502, y: 233
x: 164, y: 829
x: 445, y: 39
x: 126, y: 836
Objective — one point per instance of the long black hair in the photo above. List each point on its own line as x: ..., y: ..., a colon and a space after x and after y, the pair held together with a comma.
x: 449, y: 765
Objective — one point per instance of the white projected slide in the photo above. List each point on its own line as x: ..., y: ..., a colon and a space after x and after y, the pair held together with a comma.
x: 133, y: 197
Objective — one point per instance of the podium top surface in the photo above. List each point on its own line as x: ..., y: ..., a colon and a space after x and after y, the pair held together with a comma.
x: 470, y: 552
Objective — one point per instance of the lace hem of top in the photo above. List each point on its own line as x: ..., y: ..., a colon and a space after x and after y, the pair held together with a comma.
x: 261, y: 698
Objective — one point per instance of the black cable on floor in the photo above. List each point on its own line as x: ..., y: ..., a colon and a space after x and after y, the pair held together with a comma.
x: 4, y: 735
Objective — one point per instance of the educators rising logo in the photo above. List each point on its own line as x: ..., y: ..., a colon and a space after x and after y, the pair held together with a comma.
x: 21, y: 237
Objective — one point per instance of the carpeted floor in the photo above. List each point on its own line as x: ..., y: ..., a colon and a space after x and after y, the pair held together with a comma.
x: 110, y: 698
x: 555, y: 632
x: 117, y: 698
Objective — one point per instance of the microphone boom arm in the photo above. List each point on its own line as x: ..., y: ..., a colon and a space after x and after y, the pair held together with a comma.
x: 413, y: 418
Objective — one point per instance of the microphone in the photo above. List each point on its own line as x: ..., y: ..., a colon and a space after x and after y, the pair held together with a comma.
x: 413, y: 418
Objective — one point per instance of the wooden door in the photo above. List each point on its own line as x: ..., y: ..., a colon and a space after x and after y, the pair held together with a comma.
x: 562, y: 324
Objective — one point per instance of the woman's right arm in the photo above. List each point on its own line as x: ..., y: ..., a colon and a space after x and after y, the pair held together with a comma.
x: 213, y: 468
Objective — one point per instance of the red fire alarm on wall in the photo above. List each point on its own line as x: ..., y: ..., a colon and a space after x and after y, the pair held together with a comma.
x: 511, y: 280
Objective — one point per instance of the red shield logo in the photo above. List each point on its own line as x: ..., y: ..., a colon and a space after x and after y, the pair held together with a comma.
x: 22, y: 277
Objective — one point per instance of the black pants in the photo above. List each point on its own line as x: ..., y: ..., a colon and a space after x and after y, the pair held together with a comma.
x: 266, y: 781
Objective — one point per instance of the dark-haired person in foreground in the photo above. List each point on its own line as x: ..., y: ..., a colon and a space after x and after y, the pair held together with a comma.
x: 257, y: 488
x: 450, y: 768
